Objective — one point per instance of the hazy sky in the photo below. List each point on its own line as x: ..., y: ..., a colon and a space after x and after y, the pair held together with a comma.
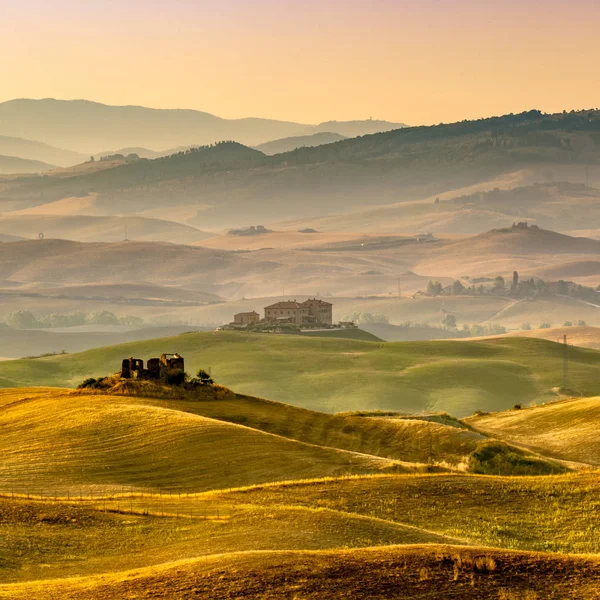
x: 418, y: 62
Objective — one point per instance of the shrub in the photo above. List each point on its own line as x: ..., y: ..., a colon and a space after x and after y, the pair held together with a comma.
x: 202, y: 378
x: 174, y: 377
x: 91, y: 383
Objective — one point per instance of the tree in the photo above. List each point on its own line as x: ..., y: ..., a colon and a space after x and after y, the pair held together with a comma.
x: 515, y: 282
x: 545, y: 325
x: 526, y: 327
x: 102, y: 317
x: 499, y: 283
x: 449, y: 321
x: 562, y: 288
x: 131, y: 321
x: 581, y: 323
x: 458, y: 288
x: 22, y: 319
x: 434, y: 288
x: 204, y: 378
x: 568, y: 324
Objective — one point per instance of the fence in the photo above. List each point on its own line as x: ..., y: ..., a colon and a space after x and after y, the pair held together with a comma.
x: 128, y: 500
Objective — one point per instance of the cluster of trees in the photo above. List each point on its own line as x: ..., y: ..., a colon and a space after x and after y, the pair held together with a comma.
x: 23, y: 319
x: 517, y: 288
x: 527, y: 326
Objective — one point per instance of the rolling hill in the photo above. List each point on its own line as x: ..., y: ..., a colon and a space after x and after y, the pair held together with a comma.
x: 583, y: 336
x: 84, y: 228
x: 109, y: 443
x: 344, y: 375
x: 375, y: 573
x: 10, y: 165
x: 39, y: 151
x: 301, y: 141
x: 384, y: 168
x: 61, y: 261
x: 565, y: 430
x: 106, y: 495
x: 496, y: 203
x: 85, y: 126
x: 17, y: 343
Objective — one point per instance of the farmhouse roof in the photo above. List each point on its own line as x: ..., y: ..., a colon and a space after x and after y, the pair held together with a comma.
x: 285, y: 304
x: 317, y: 300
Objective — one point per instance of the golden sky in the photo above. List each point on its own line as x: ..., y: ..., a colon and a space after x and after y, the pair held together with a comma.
x: 307, y: 60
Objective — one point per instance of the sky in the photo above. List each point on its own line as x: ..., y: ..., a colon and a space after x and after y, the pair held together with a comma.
x: 416, y: 62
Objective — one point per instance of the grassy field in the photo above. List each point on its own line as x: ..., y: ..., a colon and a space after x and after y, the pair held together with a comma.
x: 567, y: 430
x: 106, y: 496
x: 44, y: 539
x: 335, y: 375
x: 409, y: 572
x: 58, y: 441
x: 545, y: 514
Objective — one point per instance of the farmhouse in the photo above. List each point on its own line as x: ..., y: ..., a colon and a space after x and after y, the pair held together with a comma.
x: 312, y: 311
x: 286, y: 312
x: 246, y: 318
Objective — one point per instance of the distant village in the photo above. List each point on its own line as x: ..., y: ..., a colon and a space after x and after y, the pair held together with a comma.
x: 312, y: 313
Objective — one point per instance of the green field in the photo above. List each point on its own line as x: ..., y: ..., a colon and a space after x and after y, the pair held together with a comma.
x: 336, y: 375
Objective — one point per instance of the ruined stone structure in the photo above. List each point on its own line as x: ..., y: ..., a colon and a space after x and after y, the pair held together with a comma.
x: 133, y: 368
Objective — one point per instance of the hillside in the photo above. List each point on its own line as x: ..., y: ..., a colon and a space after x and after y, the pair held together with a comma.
x: 583, y: 336
x: 79, y: 228
x: 62, y: 261
x: 301, y: 141
x: 109, y: 442
x: 38, y: 151
x: 565, y: 430
x: 355, y: 128
x: 18, y: 343
x: 373, y: 170
x: 374, y: 573
x: 14, y: 165
x: 496, y: 203
x: 119, y: 494
x: 344, y: 375
x: 86, y: 126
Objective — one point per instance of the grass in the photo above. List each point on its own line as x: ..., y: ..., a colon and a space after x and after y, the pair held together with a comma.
x: 567, y: 429
x: 220, y: 496
x: 374, y: 574
x: 344, y: 375
x: 60, y: 441
x: 545, y: 514
x: 46, y: 540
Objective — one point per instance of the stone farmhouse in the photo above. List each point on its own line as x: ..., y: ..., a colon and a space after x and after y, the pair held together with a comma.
x: 246, y: 318
x: 312, y: 311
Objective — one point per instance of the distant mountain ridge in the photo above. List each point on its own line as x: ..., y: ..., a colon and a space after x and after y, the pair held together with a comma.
x: 301, y: 141
x: 10, y: 165
x: 40, y: 151
x: 230, y: 185
x: 86, y: 126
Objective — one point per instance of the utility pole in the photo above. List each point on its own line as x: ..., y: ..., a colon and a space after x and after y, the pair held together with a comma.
x: 565, y: 363
x: 399, y: 288
x: 587, y: 176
